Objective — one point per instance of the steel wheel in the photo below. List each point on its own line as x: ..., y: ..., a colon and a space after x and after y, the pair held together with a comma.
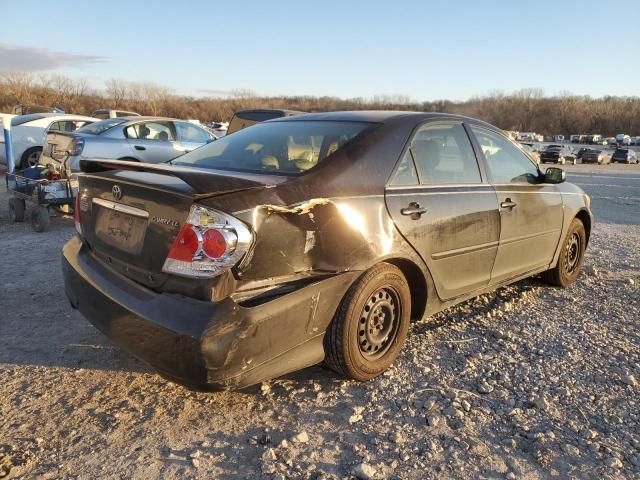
x: 378, y: 324
x: 572, y: 250
x: 370, y: 326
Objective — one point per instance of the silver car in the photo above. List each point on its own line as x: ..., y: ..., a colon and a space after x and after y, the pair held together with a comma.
x: 142, y: 139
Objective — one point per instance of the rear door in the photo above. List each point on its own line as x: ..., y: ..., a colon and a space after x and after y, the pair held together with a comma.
x: 531, y: 213
x: 153, y: 141
x: 442, y: 204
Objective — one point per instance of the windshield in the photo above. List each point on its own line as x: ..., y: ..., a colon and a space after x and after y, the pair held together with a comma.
x: 102, y: 126
x: 275, y: 147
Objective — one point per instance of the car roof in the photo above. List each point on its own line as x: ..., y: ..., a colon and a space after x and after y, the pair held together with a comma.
x: 283, y: 111
x: 373, y: 116
x: 32, y: 117
x: 137, y: 118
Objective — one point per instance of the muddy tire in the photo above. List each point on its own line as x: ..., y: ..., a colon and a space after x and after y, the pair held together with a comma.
x: 40, y: 219
x: 16, y: 210
x: 571, y: 257
x: 370, y: 326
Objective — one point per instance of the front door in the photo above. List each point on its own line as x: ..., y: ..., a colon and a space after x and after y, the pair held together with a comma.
x: 531, y: 212
x: 441, y: 204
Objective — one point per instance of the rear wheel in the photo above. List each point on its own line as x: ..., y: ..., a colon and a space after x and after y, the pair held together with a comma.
x: 30, y: 157
x: 40, y: 219
x: 571, y: 258
x: 16, y: 209
x: 370, y: 326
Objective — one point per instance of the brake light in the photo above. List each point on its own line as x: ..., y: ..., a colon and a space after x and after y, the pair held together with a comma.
x: 209, y: 243
x: 77, y: 216
x: 76, y: 147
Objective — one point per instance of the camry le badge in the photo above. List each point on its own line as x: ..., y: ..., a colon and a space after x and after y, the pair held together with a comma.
x: 116, y: 191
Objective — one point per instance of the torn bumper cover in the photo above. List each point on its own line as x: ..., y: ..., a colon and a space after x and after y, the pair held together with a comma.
x: 207, y: 345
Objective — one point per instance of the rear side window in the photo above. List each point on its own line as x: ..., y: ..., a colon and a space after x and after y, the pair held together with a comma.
x: 275, y: 147
x: 67, y: 125
x: 159, y: 131
x: 405, y: 174
x: 102, y: 126
x: 190, y: 133
x: 443, y: 154
x: 507, y: 163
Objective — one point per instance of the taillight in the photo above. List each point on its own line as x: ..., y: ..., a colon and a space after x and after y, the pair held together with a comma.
x: 209, y: 243
x: 81, y: 205
x: 76, y: 147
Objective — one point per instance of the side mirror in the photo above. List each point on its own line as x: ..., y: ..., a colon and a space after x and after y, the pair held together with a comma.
x: 554, y: 175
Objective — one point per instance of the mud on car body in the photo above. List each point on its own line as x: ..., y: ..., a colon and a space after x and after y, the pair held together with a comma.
x: 310, y: 238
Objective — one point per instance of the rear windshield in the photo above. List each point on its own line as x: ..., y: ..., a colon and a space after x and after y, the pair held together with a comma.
x: 102, y: 126
x: 279, y: 147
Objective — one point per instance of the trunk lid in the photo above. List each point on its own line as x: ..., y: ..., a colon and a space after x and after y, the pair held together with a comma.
x: 131, y: 217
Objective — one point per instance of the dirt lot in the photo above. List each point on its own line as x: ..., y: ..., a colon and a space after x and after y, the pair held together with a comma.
x: 528, y: 382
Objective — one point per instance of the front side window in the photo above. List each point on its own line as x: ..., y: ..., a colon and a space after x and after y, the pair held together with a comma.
x: 192, y: 134
x: 286, y: 147
x: 506, y: 162
x: 443, y: 154
x: 150, y: 131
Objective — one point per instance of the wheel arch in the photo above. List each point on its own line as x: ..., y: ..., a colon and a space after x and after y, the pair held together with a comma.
x: 418, y: 285
x: 585, y: 218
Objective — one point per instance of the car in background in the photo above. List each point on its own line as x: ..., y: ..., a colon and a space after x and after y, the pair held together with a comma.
x: 104, y: 113
x: 624, y: 155
x: 245, y: 118
x: 592, y: 155
x: 557, y: 154
x: 245, y: 259
x: 138, y: 139
x: 24, y: 109
x: 28, y: 133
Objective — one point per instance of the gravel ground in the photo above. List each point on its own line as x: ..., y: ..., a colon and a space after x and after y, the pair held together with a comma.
x: 527, y: 382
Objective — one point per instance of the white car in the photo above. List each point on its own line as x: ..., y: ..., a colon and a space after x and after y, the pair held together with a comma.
x: 28, y: 133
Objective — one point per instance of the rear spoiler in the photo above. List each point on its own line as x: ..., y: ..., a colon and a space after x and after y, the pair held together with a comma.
x: 204, y: 182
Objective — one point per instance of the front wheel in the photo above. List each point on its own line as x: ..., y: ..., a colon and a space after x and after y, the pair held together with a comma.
x: 571, y: 258
x: 370, y: 326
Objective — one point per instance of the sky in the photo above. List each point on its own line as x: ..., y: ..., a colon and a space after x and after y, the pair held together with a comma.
x: 425, y: 50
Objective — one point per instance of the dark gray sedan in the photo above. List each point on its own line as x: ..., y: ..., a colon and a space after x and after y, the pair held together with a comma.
x: 313, y: 238
x: 135, y: 138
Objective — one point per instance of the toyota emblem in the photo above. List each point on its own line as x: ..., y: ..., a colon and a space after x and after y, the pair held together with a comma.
x: 116, y: 191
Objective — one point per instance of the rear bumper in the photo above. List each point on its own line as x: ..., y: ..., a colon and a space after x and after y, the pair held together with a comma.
x: 201, y: 344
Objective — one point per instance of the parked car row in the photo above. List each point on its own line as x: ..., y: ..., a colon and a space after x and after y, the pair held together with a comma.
x: 137, y: 138
x: 28, y: 132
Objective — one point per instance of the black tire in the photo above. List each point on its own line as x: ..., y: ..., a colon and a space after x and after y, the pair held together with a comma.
x: 40, y: 219
x: 16, y: 209
x: 571, y: 258
x: 370, y: 326
x: 28, y: 158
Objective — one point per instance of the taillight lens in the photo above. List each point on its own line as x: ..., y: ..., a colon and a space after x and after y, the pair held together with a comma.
x: 76, y: 147
x: 209, y: 243
x: 77, y: 216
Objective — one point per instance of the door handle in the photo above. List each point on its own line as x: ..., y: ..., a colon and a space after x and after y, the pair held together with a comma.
x: 139, y: 147
x: 414, y: 210
x: 508, y: 204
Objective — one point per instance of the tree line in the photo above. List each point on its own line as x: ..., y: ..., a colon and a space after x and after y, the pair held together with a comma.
x: 525, y: 110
